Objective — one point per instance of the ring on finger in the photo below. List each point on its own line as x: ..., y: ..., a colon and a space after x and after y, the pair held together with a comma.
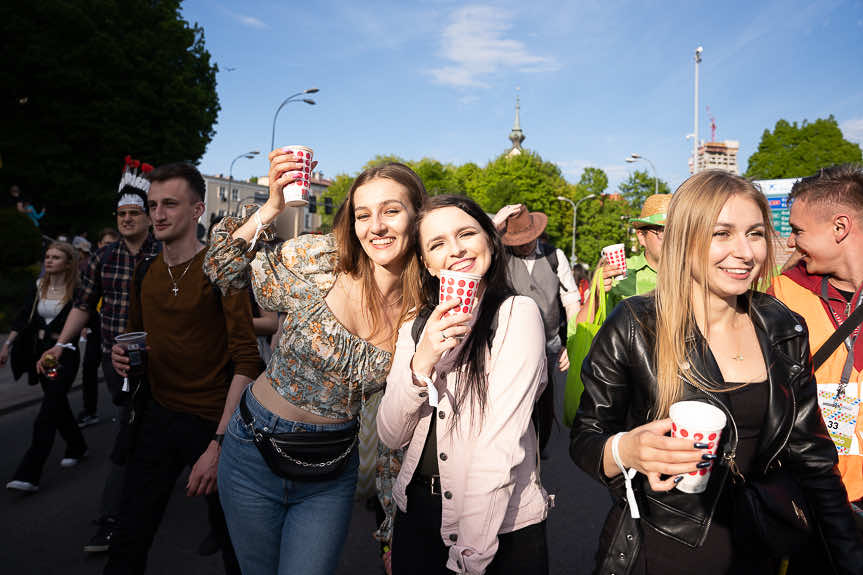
x: 443, y: 336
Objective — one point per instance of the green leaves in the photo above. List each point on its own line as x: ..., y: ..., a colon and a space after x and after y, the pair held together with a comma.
x: 792, y: 152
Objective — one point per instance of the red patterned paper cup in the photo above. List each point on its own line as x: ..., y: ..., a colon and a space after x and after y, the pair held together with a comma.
x: 702, y: 423
x: 615, y: 255
x: 297, y: 192
x: 459, y: 285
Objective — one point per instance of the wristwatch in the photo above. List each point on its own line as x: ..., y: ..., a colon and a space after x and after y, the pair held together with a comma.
x: 219, y: 438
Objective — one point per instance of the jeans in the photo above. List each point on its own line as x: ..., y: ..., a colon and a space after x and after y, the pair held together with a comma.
x: 55, y: 415
x: 167, y: 441
x: 419, y: 550
x: 280, y: 526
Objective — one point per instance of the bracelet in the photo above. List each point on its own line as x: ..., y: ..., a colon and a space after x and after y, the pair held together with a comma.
x: 627, y: 476
x: 431, y: 389
x: 66, y: 346
x: 259, y: 227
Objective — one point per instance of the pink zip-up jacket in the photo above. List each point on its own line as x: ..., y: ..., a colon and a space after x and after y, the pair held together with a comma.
x: 489, y: 478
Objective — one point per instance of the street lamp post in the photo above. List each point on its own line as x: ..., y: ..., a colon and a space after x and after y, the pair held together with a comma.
x: 248, y: 155
x: 634, y: 158
x: 288, y: 100
x: 698, y: 52
x: 572, y: 258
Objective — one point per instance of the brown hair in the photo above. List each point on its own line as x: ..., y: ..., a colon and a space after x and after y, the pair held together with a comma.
x: 70, y: 278
x: 183, y: 171
x: 688, y: 233
x: 841, y: 184
x: 354, y: 261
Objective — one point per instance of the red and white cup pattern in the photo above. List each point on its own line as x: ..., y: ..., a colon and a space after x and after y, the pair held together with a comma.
x: 615, y: 255
x: 297, y: 192
x: 700, y: 423
x: 459, y: 285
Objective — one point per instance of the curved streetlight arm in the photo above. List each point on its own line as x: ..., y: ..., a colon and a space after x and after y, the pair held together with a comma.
x: 635, y: 157
x: 282, y: 105
x: 248, y: 155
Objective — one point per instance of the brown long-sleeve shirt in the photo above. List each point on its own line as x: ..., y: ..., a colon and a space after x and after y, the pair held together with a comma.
x: 198, y: 339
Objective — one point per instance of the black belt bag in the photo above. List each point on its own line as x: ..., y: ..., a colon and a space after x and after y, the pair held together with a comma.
x: 304, y: 456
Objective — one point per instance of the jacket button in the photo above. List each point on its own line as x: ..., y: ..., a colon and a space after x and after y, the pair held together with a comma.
x: 795, y: 368
x: 441, y: 414
x: 423, y: 394
x: 798, y: 328
x: 453, y: 537
x: 622, y: 556
x: 629, y: 536
x: 447, y: 494
x: 443, y: 456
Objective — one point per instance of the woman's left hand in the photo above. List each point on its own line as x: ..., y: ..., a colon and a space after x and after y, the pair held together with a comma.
x: 441, y: 334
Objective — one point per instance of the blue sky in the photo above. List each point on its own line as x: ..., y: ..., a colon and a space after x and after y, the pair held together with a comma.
x: 597, y: 80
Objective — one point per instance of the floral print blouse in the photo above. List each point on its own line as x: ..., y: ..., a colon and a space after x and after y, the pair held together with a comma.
x: 319, y: 365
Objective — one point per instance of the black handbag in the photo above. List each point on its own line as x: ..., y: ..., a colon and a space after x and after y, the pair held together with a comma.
x: 304, y: 456
x: 771, y: 515
x: 25, y: 352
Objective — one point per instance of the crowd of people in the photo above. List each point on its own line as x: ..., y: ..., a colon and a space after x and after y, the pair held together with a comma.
x: 267, y: 413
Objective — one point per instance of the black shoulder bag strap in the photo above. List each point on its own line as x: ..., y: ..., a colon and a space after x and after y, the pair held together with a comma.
x: 835, y: 340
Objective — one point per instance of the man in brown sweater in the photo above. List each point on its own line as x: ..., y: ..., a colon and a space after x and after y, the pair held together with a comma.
x: 202, y: 354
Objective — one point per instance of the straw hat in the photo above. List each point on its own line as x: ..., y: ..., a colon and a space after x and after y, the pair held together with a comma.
x: 652, y: 212
x: 523, y: 227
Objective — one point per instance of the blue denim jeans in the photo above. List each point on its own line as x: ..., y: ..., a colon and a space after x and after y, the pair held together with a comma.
x: 280, y: 526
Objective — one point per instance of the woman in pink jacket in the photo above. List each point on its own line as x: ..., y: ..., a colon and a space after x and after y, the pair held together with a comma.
x: 469, y: 495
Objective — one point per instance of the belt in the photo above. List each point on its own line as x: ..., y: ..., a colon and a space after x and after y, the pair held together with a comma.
x: 423, y: 481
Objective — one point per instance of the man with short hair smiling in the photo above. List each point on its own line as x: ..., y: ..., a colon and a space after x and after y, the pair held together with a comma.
x: 202, y: 353
x: 825, y: 288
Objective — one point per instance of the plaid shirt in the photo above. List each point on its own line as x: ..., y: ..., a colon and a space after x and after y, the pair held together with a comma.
x: 109, y: 276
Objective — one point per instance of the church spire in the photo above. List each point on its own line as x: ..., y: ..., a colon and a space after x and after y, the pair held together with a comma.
x: 516, y: 136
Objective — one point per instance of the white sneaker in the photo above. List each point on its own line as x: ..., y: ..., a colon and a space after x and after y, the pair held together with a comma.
x: 23, y: 486
x: 72, y: 461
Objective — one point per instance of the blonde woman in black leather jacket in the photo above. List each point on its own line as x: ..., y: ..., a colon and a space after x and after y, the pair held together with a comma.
x: 705, y: 335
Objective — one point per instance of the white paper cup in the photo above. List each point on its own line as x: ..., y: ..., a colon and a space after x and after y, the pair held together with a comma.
x: 459, y: 285
x: 297, y: 192
x: 698, y: 422
x: 615, y: 255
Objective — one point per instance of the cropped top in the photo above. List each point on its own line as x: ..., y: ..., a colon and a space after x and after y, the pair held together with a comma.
x: 319, y: 365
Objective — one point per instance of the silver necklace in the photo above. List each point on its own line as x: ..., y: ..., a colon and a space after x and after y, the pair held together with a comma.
x: 175, y: 289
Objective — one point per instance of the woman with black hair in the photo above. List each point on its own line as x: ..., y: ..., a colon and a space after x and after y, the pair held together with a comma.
x: 470, y: 468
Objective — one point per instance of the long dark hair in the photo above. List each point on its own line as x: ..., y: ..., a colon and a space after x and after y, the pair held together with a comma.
x: 353, y: 259
x: 471, y: 382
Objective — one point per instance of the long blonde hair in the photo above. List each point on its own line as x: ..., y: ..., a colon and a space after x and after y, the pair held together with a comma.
x: 692, y: 215
x: 70, y: 276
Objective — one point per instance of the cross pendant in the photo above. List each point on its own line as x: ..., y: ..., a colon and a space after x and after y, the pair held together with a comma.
x: 176, y: 291
x: 738, y: 357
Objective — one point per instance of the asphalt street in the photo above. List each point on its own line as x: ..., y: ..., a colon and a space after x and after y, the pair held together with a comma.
x: 44, y: 533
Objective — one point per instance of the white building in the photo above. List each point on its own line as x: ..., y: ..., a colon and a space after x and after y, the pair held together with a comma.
x: 717, y: 156
x: 226, y: 197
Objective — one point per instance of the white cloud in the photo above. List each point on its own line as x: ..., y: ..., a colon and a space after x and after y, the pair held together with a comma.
x: 853, y: 129
x: 475, y: 46
x: 246, y: 20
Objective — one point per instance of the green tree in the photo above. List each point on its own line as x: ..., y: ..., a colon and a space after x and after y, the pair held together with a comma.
x: 83, y: 84
x: 792, y: 152
x: 526, y: 179
x: 602, y: 220
x: 638, y: 187
x: 337, y: 191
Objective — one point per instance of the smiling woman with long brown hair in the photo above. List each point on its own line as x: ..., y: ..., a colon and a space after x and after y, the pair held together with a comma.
x: 288, y: 467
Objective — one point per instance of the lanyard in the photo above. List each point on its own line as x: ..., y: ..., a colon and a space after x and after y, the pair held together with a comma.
x: 850, y: 341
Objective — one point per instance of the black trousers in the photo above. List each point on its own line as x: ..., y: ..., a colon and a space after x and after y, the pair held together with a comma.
x: 543, y: 409
x: 90, y: 367
x: 166, y: 443
x: 55, y: 415
x: 418, y: 549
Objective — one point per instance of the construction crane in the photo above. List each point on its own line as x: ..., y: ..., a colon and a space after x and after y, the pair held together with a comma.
x: 712, y: 125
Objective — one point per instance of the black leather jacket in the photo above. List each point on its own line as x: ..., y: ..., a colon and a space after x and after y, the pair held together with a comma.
x: 619, y: 376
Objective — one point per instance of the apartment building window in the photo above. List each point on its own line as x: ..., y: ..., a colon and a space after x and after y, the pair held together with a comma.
x: 223, y: 193
x: 221, y: 212
x: 235, y: 194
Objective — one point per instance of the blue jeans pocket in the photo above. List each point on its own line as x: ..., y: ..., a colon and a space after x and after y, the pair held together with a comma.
x: 238, y: 428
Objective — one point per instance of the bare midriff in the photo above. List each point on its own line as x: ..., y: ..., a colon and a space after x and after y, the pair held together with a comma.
x: 268, y: 397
